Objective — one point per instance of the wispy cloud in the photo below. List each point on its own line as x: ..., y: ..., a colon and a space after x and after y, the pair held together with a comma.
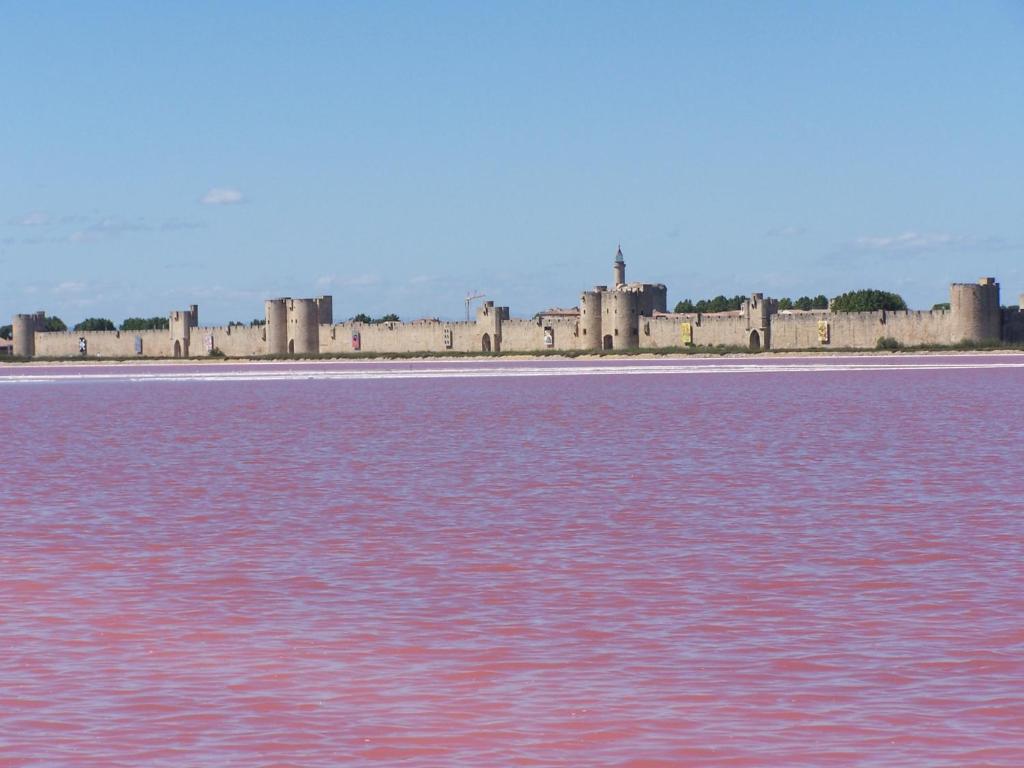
x: 927, y: 241
x: 109, y: 226
x: 41, y: 240
x: 33, y: 219
x: 354, y: 281
x: 70, y: 287
x: 48, y: 230
x: 222, y: 196
x: 181, y: 225
x: 785, y: 232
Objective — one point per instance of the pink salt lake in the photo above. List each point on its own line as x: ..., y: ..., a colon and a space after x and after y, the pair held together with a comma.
x: 756, y: 562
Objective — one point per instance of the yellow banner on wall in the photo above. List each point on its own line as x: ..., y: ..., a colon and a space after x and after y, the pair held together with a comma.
x: 823, y: 336
x: 686, y: 333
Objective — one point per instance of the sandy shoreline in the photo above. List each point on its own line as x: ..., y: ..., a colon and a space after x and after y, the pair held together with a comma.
x: 477, y: 359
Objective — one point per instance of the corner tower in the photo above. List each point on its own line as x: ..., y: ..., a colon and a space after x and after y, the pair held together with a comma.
x: 619, y: 269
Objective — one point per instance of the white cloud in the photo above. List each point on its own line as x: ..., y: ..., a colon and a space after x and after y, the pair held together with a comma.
x: 222, y: 196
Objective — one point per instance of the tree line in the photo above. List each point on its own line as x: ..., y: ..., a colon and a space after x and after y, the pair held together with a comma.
x: 128, y: 324
x: 53, y: 323
x: 364, y: 318
x: 867, y: 300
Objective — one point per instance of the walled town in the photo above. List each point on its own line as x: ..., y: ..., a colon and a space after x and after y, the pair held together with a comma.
x: 620, y: 316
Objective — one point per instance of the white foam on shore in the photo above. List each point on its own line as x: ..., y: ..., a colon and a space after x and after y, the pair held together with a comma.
x: 344, y: 373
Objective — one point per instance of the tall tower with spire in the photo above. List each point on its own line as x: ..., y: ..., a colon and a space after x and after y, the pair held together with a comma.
x: 619, y: 267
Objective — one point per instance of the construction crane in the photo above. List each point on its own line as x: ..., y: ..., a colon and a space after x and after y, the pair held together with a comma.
x: 470, y: 298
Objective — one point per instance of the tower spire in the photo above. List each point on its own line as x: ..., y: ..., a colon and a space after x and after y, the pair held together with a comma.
x: 619, y: 268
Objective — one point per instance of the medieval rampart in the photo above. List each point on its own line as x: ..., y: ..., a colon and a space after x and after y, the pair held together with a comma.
x: 104, y: 343
x: 859, y: 330
x: 396, y: 337
x: 628, y: 316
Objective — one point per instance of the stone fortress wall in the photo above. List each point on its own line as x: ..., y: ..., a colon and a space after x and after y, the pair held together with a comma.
x: 623, y: 316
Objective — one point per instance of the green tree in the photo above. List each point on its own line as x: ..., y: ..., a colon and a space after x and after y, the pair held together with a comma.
x: 145, y: 324
x: 941, y: 305
x: 717, y: 304
x: 95, y: 324
x: 868, y: 300
x: 362, y: 317
x: 257, y: 322
x: 804, y: 303
x: 819, y: 302
x: 49, y: 324
x: 785, y: 304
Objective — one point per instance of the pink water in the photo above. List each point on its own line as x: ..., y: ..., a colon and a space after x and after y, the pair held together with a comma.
x: 794, y: 563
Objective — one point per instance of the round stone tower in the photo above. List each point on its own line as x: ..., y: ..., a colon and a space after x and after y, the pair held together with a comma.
x: 590, y: 319
x: 24, y: 329
x: 303, y: 327
x: 276, y: 329
x: 619, y: 269
x: 620, y: 326
x: 975, y: 311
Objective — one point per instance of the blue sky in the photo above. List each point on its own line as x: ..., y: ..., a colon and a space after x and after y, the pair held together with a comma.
x: 397, y: 155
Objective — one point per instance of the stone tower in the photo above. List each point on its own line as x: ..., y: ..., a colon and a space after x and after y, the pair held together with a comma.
x: 590, y: 318
x: 488, y: 322
x: 276, y: 329
x: 619, y: 269
x: 758, y: 311
x: 620, y: 320
x: 975, y: 311
x: 24, y: 329
x: 181, y: 332
x: 303, y: 327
